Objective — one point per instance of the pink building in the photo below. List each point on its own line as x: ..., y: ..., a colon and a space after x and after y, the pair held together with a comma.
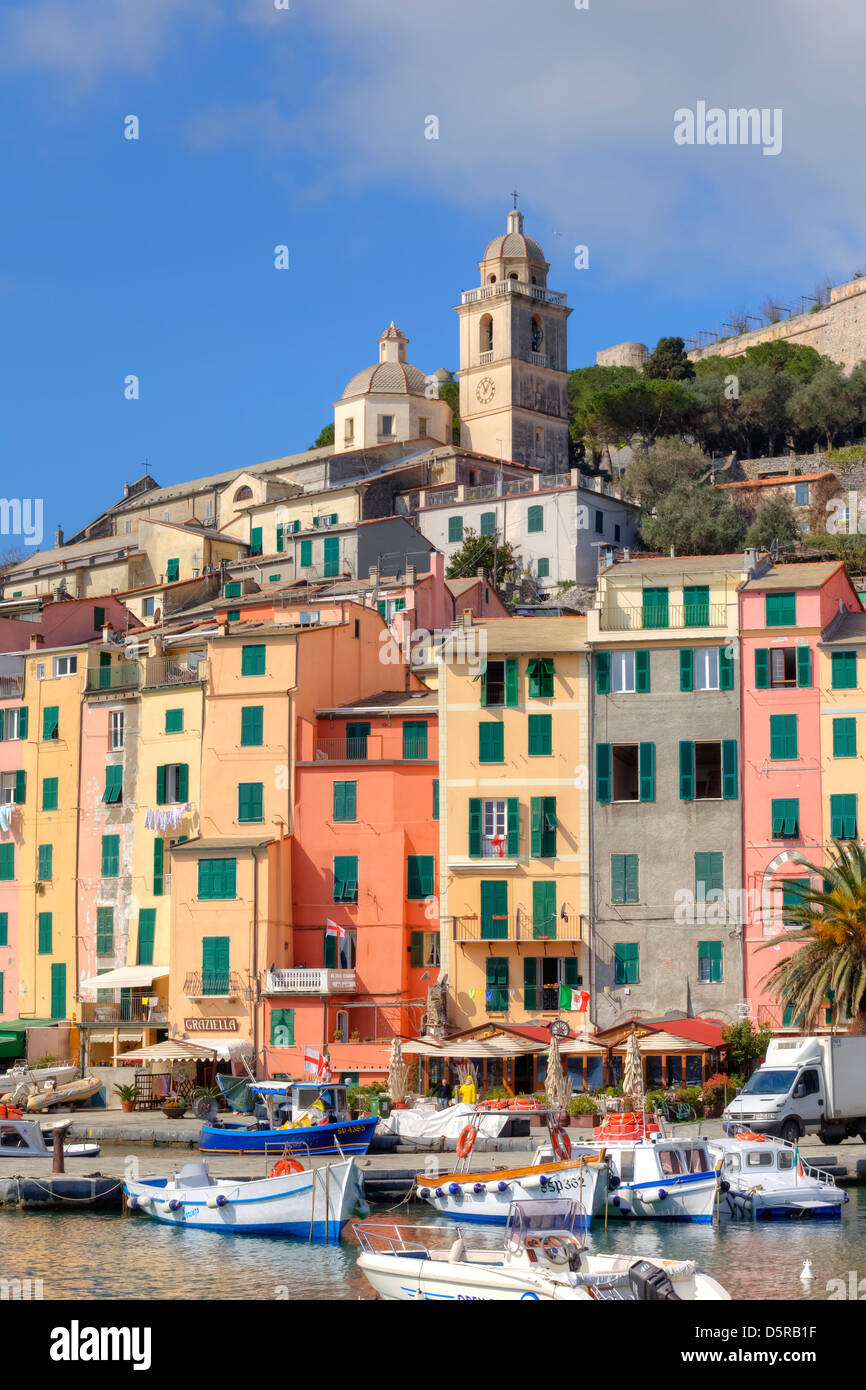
x: 783, y: 613
x: 12, y: 735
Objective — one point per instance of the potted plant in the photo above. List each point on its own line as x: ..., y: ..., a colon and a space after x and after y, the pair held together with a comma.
x: 173, y: 1107
x: 338, y: 1035
x: 355, y: 1036
x: 585, y: 1112
x: 128, y: 1096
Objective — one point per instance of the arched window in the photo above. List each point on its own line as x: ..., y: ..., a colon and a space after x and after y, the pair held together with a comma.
x: 513, y: 275
x: 243, y: 493
x: 491, y: 279
x: 486, y: 334
x: 537, y: 334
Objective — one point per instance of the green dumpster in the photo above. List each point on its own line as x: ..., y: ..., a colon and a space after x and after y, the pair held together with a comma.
x: 384, y: 1108
x: 374, y: 1105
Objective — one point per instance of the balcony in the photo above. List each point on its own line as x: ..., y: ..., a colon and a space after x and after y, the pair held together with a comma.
x: 538, y: 359
x: 11, y: 687
x: 387, y: 745
x: 160, y: 672
x: 504, y: 287
x: 445, y: 497
x: 485, y: 358
x: 132, y: 1010
x: 481, y: 492
x: 123, y: 676
x: 309, y: 982
x: 213, y: 984
x: 518, y: 927
x: 630, y: 617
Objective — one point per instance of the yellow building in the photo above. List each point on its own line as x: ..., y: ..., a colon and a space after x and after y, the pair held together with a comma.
x: 514, y: 825
x: 842, y: 681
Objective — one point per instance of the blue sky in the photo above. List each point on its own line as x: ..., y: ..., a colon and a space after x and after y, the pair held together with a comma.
x: 305, y: 127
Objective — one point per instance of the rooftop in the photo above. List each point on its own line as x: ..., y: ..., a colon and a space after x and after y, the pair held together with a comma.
x: 388, y: 702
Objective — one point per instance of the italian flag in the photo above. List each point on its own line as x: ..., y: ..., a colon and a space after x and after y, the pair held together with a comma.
x: 573, y: 1000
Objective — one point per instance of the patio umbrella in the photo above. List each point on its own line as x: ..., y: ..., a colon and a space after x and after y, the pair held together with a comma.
x: 557, y: 1087
x: 398, y: 1073
x: 632, y: 1077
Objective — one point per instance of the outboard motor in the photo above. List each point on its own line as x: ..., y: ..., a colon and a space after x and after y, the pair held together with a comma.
x: 650, y: 1284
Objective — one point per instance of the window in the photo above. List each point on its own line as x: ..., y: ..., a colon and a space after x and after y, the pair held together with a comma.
x: 706, y: 668
x: 414, y: 738
x: 13, y: 786
x: 780, y: 610
x: 543, y: 978
x: 349, y: 430
x: 783, y: 736
x: 493, y: 845
x: 232, y: 590
x: 310, y: 617
x: 708, y: 771
x: 843, y: 816
x: 696, y: 605
x: 844, y: 738
x: 435, y: 798
x: 256, y: 540
x: 49, y: 793
x: 625, y: 771
x: 253, y: 659
x: 345, y: 878
x: 217, y: 878
x: 491, y: 743
x: 543, y: 826
x: 357, y: 733
x: 159, y: 868
x: 13, y: 723
x: 172, y: 571
x: 782, y: 666
x: 422, y: 426
x: 233, y: 615
x: 4, y: 930
x: 110, y: 856
x: 494, y: 910
x: 283, y: 1020
x: 785, y: 815
x: 543, y: 569
x: 215, y: 956
x: 488, y: 523
x: 496, y: 984
x: 58, y: 991
x: 540, y: 735
x: 624, y: 878
x: 146, y: 934
x: 252, y: 726
x: 345, y: 801
x: 423, y: 949
x: 616, y: 533
x: 386, y: 424
x: 251, y: 801
x: 45, y: 858
x: 499, y: 682
x: 709, y: 875
x: 105, y: 931
x: 174, y: 721
x: 795, y: 891
x: 540, y: 673
x: 455, y: 529
x: 116, y: 722
x: 494, y: 828
x: 340, y: 952
x: 419, y: 876
x: 544, y: 910
x: 65, y: 666
x: 844, y: 670
x: 172, y: 784
x: 710, y: 962
x: 7, y: 863
x: 539, y: 431
x: 626, y: 963
x: 535, y: 519
x: 45, y: 930
x: 332, y: 559
x: 655, y: 608
x: 801, y: 494
x: 274, y: 578
x: 147, y: 608
x: 113, y: 784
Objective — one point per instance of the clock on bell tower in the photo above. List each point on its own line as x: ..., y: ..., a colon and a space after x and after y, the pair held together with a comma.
x: 513, y: 380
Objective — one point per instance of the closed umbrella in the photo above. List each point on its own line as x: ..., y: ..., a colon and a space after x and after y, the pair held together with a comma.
x: 557, y: 1087
x: 632, y: 1076
x: 398, y: 1074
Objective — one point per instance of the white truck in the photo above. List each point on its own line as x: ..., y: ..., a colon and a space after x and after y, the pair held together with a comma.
x: 806, y: 1086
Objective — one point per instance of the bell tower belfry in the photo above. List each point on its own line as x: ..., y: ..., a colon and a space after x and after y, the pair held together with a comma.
x: 513, y: 378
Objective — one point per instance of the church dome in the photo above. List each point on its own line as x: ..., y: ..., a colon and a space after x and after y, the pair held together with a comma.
x: 392, y: 375
x: 514, y: 243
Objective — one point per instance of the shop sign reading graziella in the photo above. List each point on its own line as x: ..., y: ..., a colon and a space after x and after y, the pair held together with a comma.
x: 210, y: 1025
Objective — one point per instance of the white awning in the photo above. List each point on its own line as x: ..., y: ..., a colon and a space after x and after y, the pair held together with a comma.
x: 173, y: 1050
x: 126, y: 977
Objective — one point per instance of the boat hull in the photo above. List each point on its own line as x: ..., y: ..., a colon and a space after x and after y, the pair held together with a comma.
x: 585, y: 1184
x: 818, y: 1204
x: 688, y: 1198
x: 352, y: 1136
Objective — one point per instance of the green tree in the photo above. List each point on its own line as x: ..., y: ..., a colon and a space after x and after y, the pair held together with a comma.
x: 830, y: 404
x: 450, y: 391
x: 488, y: 553
x: 667, y: 463
x: 774, y: 521
x: 325, y: 438
x: 695, y: 521
x: 615, y: 414
x: 746, y: 1045
x: 795, y: 359
x: 668, y: 360
x: 828, y: 968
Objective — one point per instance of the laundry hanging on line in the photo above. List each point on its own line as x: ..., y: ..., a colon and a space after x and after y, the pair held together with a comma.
x: 165, y: 817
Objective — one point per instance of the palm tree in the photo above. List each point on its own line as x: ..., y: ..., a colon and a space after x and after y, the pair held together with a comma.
x: 831, y: 959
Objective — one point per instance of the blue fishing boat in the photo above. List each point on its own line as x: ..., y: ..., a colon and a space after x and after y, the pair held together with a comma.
x: 293, y: 1117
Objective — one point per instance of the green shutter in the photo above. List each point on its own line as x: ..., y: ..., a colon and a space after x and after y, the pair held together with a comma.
x: 687, y: 668
x: 46, y: 933
x: 110, y: 856
x: 602, y: 772
x: 626, y: 963
x: 435, y: 798
x: 540, y: 728
x: 696, y: 605
x: 282, y: 1027
x: 624, y: 878
x: 253, y: 659
x: 844, y: 670
x: 306, y: 554
x: 255, y: 540
x: 252, y: 726
x: 687, y: 770
x: 345, y: 801
x: 496, y: 984
x: 58, y: 991
x: 783, y: 736
x: 251, y: 798
x: 416, y: 950
x: 172, y: 571
x: 843, y: 816
x: 113, y: 784
x: 762, y: 668
x: 215, y: 958
x: 474, y: 827
x: 4, y: 930
x: 20, y: 787
x: 535, y: 519
x: 511, y: 680
x: 844, y: 738
x: 332, y: 557
x: 780, y: 610
x: 726, y: 668
x: 49, y: 793
x: 642, y: 672
x: 530, y: 986
x: 602, y: 673
x: 544, y: 910
x: 158, y: 868
x: 795, y: 893
x: 329, y: 953
x: 512, y: 848
x: 232, y: 590
x: 729, y: 769
x: 491, y: 743
x: 785, y: 814
x: 455, y: 529
x: 99, y: 617
x: 488, y: 523
x: 345, y: 878
x: 535, y: 824
x: 419, y: 876
x: 570, y: 973
x: 217, y: 879
x: 7, y: 863
x: 146, y: 934
x: 804, y: 666
x: 494, y: 910
x: 160, y: 785
x: 45, y: 857
x: 281, y: 540
x: 23, y: 721
x: 414, y: 738
x: 174, y: 721
x: 105, y: 931
x: 710, y: 961
x: 709, y: 874
x: 655, y: 608
x: 647, y: 771
x: 182, y: 782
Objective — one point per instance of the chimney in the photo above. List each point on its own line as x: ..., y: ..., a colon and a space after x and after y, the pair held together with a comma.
x: 467, y: 617
x: 107, y: 630
x: 410, y: 574
x: 373, y: 574
x: 58, y: 538
x: 750, y: 561
x: 626, y: 553
x: 673, y: 552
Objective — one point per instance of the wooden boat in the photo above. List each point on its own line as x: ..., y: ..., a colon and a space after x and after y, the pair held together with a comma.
x: 71, y: 1093
x: 294, y: 1111
x: 312, y: 1203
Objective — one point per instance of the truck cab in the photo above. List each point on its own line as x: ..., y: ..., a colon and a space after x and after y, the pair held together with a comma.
x: 805, y: 1086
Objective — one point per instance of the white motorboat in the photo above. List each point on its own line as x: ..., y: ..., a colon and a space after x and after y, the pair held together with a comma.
x: 767, y: 1178
x: 656, y: 1177
x: 542, y: 1260
x: 487, y: 1194
x: 20, y: 1138
x: 22, y: 1074
x: 314, y: 1203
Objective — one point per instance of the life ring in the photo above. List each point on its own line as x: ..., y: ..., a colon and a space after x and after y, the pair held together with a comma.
x: 9, y: 1112
x: 561, y: 1143
x: 284, y: 1167
x: 466, y: 1142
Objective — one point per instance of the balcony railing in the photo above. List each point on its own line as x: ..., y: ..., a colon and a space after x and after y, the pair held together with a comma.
x: 122, y: 676
x: 482, y: 491
x: 216, y: 984
x: 538, y: 359
x: 132, y: 1010
x: 519, y: 927
x: 485, y: 358
x: 503, y: 287
x: 388, y: 746
x: 11, y: 686
x: 310, y: 982
x: 628, y: 617
x: 159, y: 671
x: 446, y: 497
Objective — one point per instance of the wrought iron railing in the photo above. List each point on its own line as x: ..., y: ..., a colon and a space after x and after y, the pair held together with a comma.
x: 121, y: 676
x: 520, y: 926
x: 226, y: 984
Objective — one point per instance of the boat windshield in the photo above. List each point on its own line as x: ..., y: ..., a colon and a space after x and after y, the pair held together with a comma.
x: 769, y: 1082
x: 697, y: 1159
x: 533, y: 1218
